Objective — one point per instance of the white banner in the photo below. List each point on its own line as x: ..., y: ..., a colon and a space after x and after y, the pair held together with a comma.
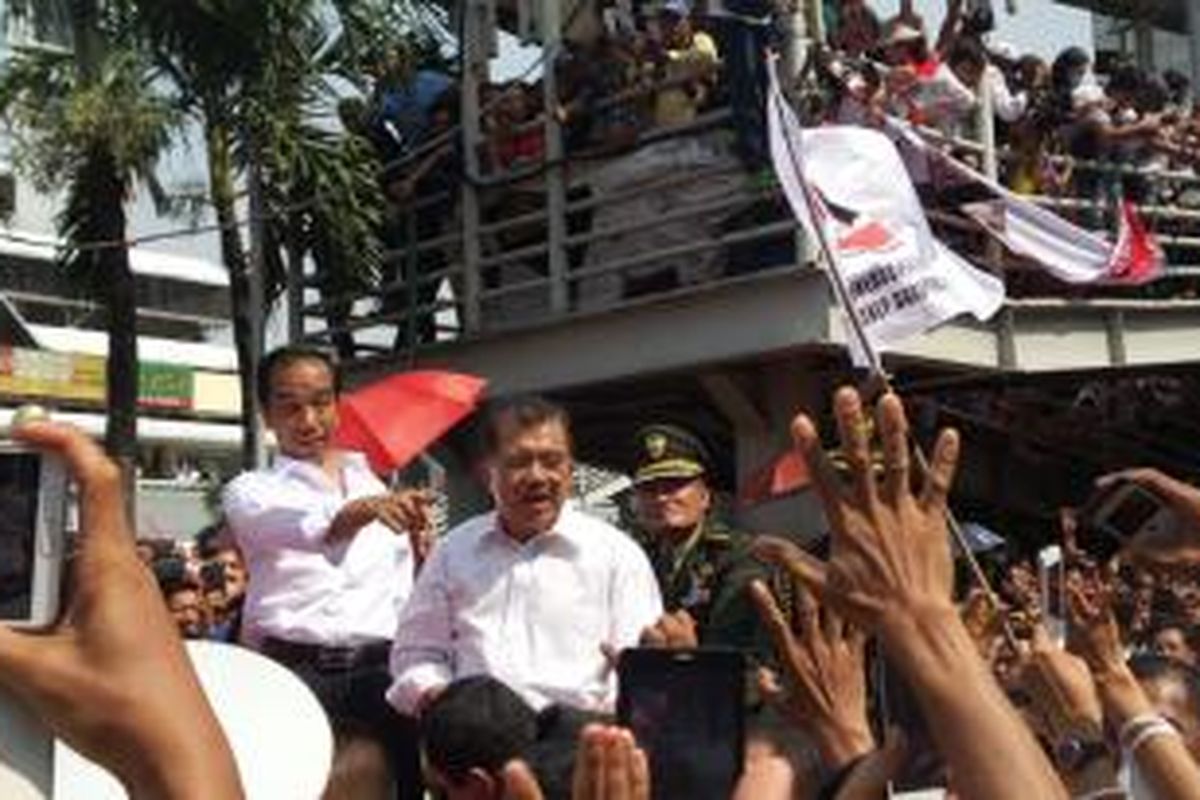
x: 899, y: 279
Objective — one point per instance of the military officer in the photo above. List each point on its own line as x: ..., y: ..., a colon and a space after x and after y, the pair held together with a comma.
x: 703, y: 566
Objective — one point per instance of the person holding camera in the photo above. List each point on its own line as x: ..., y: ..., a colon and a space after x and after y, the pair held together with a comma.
x: 331, y: 555
x: 112, y: 678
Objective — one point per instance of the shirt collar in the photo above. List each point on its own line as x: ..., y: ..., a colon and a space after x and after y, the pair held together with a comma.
x: 285, y: 465
x: 565, y: 530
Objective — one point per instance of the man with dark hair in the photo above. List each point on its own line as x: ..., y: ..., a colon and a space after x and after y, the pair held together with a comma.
x: 330, y: 554
x: 526, y: 411
x: 284, y: 357
x: 188, y: 609
x: 530, y: 592
x: 469, y: 732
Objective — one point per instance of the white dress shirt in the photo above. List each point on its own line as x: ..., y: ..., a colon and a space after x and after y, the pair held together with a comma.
x: 533, y: 615
x: 1007, y: 106
x: 301, y: 588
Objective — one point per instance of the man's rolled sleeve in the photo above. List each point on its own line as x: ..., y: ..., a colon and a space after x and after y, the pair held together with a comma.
x: 259, y: 517
x: 422, y: 651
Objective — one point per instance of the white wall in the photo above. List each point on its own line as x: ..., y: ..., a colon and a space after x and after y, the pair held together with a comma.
x: 1041, y: 27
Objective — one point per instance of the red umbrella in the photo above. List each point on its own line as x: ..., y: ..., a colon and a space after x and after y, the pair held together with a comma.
x: 394, y: 419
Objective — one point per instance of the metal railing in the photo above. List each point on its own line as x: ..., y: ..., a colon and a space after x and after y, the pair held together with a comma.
x: 687, y: 218
x: 677, y: 214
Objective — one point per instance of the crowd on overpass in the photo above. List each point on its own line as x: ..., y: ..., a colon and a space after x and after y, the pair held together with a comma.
x: 652, y: 92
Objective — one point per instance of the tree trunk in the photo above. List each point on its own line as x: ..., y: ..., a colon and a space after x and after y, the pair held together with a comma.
x: 233, y: 253
x: 109, y: 266
x: 118, y: 293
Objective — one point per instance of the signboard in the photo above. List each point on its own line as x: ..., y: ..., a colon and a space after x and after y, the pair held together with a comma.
x: 164, y: 386
x: 61, y: 376
x: 74, y: 378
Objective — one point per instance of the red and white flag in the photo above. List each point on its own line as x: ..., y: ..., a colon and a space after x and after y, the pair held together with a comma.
x: 850, y: 190
x: 1136, y: 257
x: 1065, y: 250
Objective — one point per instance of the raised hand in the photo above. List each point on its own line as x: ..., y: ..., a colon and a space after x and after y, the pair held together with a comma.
x: 673, y: 631
x: 822, y: 658
x: 1093, y: 634
x: 113, y: 679
x: 1184, y: 501
x: 891, y: 556
x: 610, y: 766
x: 1064, y: 693
x: 891, y: 573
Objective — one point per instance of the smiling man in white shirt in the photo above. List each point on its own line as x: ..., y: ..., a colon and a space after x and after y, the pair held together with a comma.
x: 531, y: 592
x: 331, y: 555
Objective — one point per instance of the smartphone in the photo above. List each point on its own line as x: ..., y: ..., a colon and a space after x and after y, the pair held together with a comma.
x: 33, y: 510
x: 1051, y: 588
x: 1119, y: 513
x: 686, y: 709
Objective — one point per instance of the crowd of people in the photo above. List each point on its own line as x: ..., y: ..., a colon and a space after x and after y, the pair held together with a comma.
x: 202, y: 581
x: 1056, y: 120
x: 1067, y: 129
x: 480, y: 662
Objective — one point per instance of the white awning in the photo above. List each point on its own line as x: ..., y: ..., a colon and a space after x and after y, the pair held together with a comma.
x: 163, y: 351
x: 142, y: 260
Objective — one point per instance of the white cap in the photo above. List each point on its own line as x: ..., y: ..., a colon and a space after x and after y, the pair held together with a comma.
x: 1086, y: 94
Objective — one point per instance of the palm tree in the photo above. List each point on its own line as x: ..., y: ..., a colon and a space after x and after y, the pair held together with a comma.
x: 264, y: 79
x: 90, y: 123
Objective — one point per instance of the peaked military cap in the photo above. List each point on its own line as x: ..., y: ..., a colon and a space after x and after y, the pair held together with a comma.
x: 669, y: 451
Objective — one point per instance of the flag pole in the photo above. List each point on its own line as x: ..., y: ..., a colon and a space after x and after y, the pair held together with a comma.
x: 878, y: 375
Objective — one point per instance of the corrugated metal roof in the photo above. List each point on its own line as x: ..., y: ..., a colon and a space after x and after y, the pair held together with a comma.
x: 154, y: 431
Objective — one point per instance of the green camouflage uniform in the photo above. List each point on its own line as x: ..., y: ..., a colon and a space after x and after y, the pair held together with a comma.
x: 710, y: 581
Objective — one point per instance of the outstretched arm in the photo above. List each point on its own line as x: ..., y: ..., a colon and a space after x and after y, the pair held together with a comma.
x: 891, y: 573
x: 1147, y: 740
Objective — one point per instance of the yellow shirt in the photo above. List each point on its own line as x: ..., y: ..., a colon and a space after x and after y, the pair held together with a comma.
x: 675, y: 106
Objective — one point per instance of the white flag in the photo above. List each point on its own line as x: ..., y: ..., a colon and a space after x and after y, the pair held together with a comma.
x: 899, y: 279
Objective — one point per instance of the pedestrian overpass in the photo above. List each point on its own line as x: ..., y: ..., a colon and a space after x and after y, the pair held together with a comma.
x: 663, y: 282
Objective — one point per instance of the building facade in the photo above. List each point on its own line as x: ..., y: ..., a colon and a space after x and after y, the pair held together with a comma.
x: 52, y: 339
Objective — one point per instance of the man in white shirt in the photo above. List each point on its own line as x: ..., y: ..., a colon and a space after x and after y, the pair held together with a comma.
x: 330, y: 554
x: 532, y: 593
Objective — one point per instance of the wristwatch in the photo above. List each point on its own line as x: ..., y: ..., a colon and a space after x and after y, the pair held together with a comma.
x: 1075, y: 753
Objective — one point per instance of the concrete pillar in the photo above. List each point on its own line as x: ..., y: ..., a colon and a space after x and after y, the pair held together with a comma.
x: 785, y: 387
x: 1193, y: 25
x: 475, y: 73
x: 556, y: 189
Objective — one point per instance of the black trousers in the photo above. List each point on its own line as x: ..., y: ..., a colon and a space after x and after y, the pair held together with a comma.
x: 353, y: 699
